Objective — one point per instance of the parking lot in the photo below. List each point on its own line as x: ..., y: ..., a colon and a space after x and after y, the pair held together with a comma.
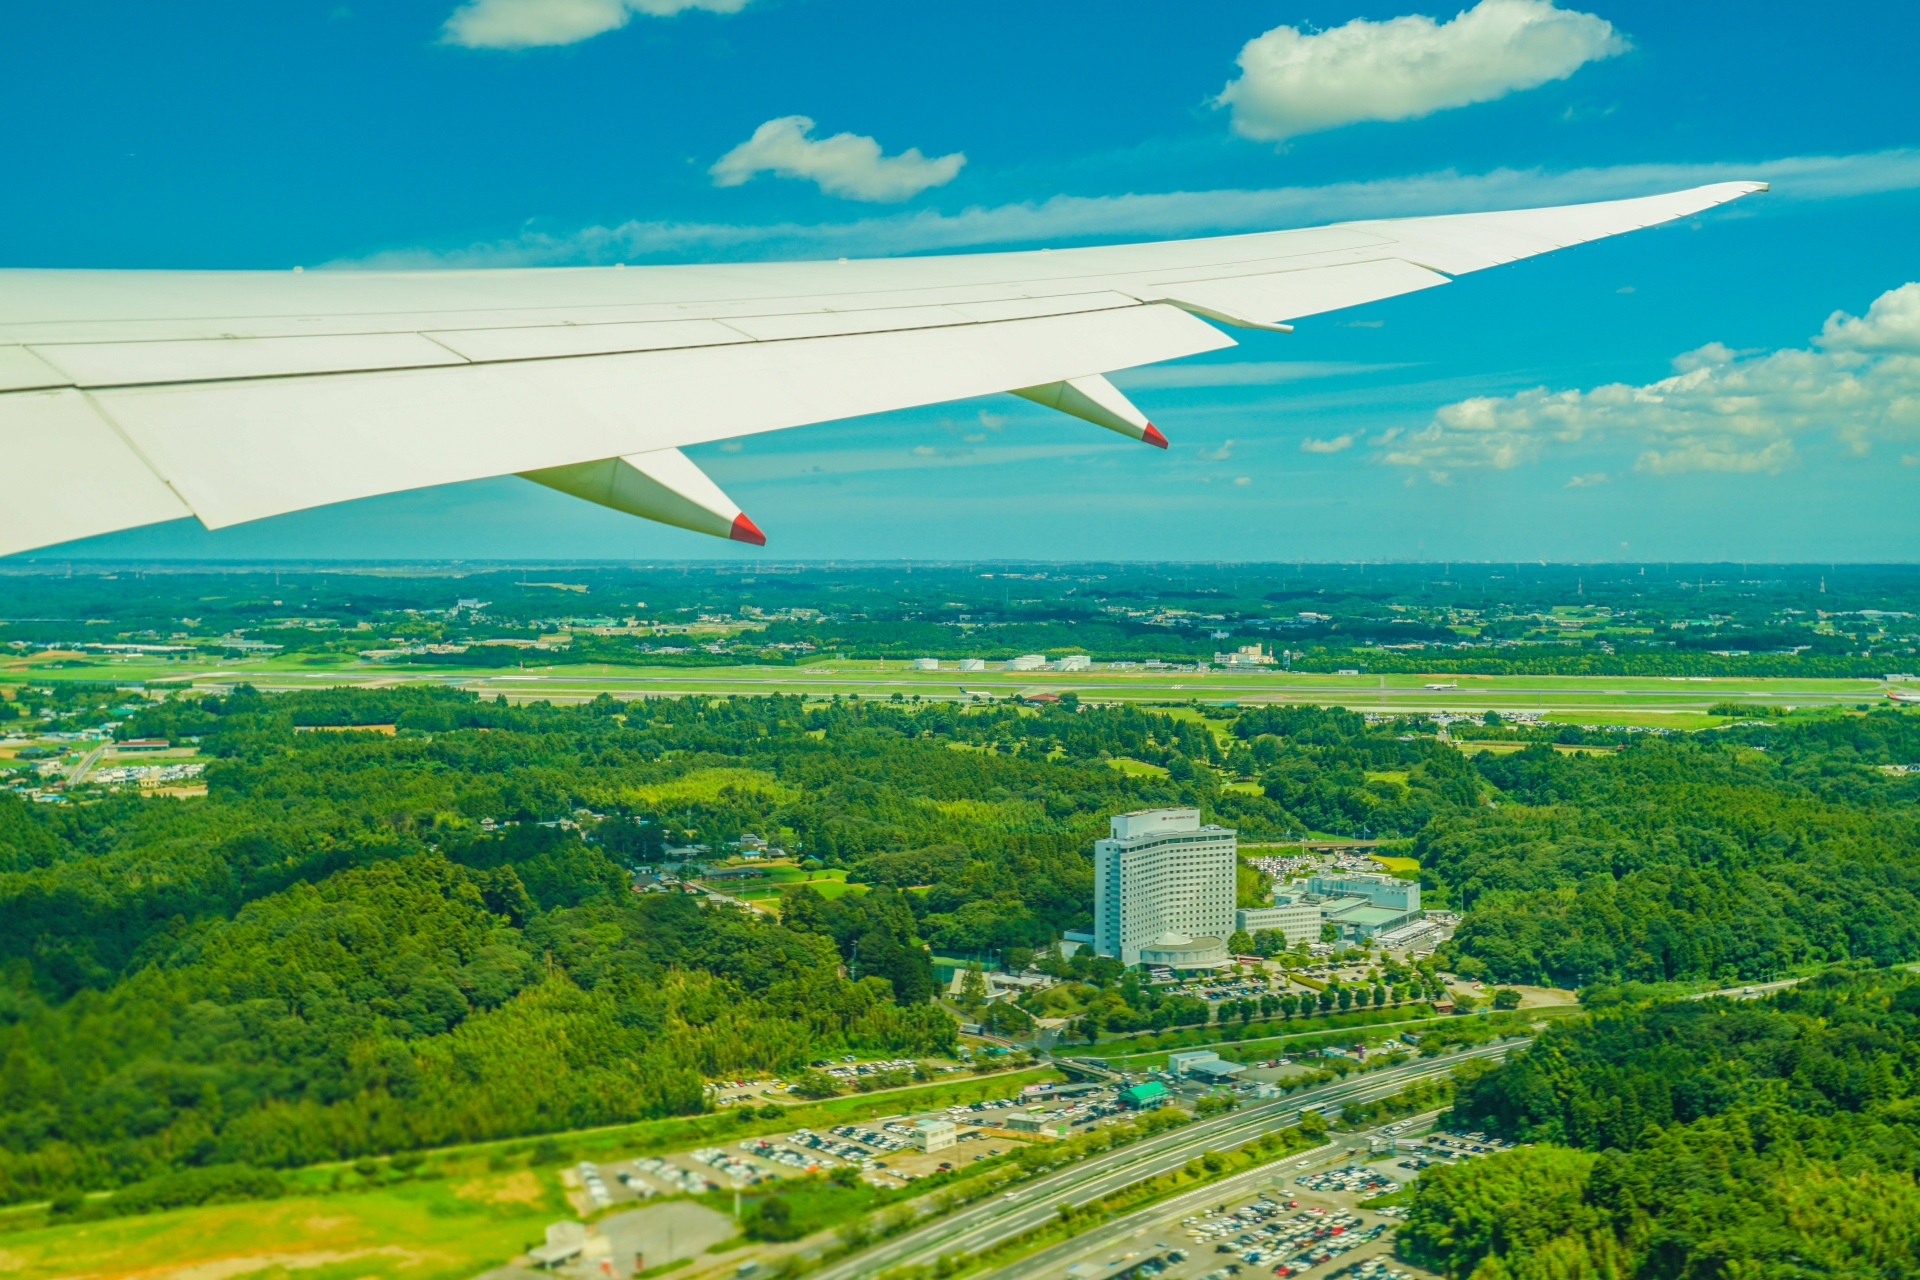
x: 883, y: 1150
x: 1304, y: 1222
x: 1072, y: 1106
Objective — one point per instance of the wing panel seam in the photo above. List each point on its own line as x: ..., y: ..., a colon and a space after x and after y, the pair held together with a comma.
x: 597, y: 355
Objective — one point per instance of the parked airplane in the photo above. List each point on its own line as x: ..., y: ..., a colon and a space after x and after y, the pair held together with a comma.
x: 129, y: 397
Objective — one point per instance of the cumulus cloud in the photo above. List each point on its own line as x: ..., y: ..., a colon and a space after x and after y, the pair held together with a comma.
x: 1221, y: 454
x: 1722, y: 410
x: 1068, y: 218
x: 1293, y: 82
x: 526, y: 24
x: 1591, y: 480
x: 1335, y: 445
x: 846, y: 165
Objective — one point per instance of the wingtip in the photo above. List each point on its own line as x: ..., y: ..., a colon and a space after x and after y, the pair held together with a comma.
x: 745, y: 530
x: 1153, y: 437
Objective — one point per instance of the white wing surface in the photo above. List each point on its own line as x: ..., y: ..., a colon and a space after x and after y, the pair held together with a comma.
x: 128, y: 397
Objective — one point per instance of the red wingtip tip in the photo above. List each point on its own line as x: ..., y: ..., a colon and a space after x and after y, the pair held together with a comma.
x: 1153, y: 437
x: 744, y: 530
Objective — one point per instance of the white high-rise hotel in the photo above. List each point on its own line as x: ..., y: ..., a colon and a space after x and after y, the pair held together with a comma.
x: 1163, y: 890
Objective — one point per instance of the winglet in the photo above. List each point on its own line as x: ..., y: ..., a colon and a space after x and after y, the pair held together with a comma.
x: 663, y: 485
x: 1094, y: 399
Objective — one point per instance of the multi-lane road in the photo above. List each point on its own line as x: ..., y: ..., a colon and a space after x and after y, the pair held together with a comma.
x: 982, y: 1225
x: 1157, y: 1217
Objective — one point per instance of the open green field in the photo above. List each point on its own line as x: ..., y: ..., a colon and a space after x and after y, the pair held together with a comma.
x: 467, y: 1208
x: 444, y: 1228
x: 769, y: 895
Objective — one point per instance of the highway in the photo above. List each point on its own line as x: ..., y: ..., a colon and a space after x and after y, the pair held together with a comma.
x: 79, y: 772
x: 1157, y: 1217
x: 1025, y: 1207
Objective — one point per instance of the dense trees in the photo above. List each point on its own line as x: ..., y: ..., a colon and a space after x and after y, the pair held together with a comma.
x: 1696, y: 1138
x: 1679, y: 858
x: 363, y: 942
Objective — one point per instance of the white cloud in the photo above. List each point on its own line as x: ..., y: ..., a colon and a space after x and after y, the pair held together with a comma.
x: 1067, y: 218
x: 1293, y: 83
x: 1591, y: 480
x: 1243, y: 480
x: 846, y: 165
x: 1892, y: 323
x: 1335, y: 445
x: 1722, y: 410
x: 525, y: 24
x: 1221, y: 454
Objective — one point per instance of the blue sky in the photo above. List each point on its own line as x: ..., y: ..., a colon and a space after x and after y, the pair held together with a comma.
x: 1521, y: 412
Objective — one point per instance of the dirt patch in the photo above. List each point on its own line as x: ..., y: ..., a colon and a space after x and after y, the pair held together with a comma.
x: 518, y: 1188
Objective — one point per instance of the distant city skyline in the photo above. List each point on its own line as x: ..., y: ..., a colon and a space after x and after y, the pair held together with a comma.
x: 1741, y: 386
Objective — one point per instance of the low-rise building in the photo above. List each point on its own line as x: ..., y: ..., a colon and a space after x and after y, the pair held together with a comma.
x: 1144, y: 1096
x: 1247, y: 655
x: 1027, y: 662
x: 1051, y: 1126
x: 1177, y: 1063
x: 1297, y: 921
x: 933, y: 1134
x: 1076, y: 662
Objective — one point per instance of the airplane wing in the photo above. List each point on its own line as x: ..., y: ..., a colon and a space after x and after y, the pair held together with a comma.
x: 129, y: 397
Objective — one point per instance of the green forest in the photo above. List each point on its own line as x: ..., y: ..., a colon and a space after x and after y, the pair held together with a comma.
x: 1694, y: 1139
x: 1487, y: 619
x: 361, y: 943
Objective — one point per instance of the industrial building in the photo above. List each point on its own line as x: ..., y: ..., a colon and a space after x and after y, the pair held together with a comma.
x: 1378, y: 890
x: 1163, y: 890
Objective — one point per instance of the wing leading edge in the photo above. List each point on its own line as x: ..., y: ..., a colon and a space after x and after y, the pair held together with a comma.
x: 135, y: 397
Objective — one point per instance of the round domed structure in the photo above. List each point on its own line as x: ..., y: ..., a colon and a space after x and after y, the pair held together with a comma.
x: 1183, y: 951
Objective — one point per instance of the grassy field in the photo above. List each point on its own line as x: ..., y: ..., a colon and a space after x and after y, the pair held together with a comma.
x: 769, y: 896
x: 443, y: 1228
x: 703, y: 786
x: 465, y: 1210
x: 1676, y: 720
x: 1573, y: 699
